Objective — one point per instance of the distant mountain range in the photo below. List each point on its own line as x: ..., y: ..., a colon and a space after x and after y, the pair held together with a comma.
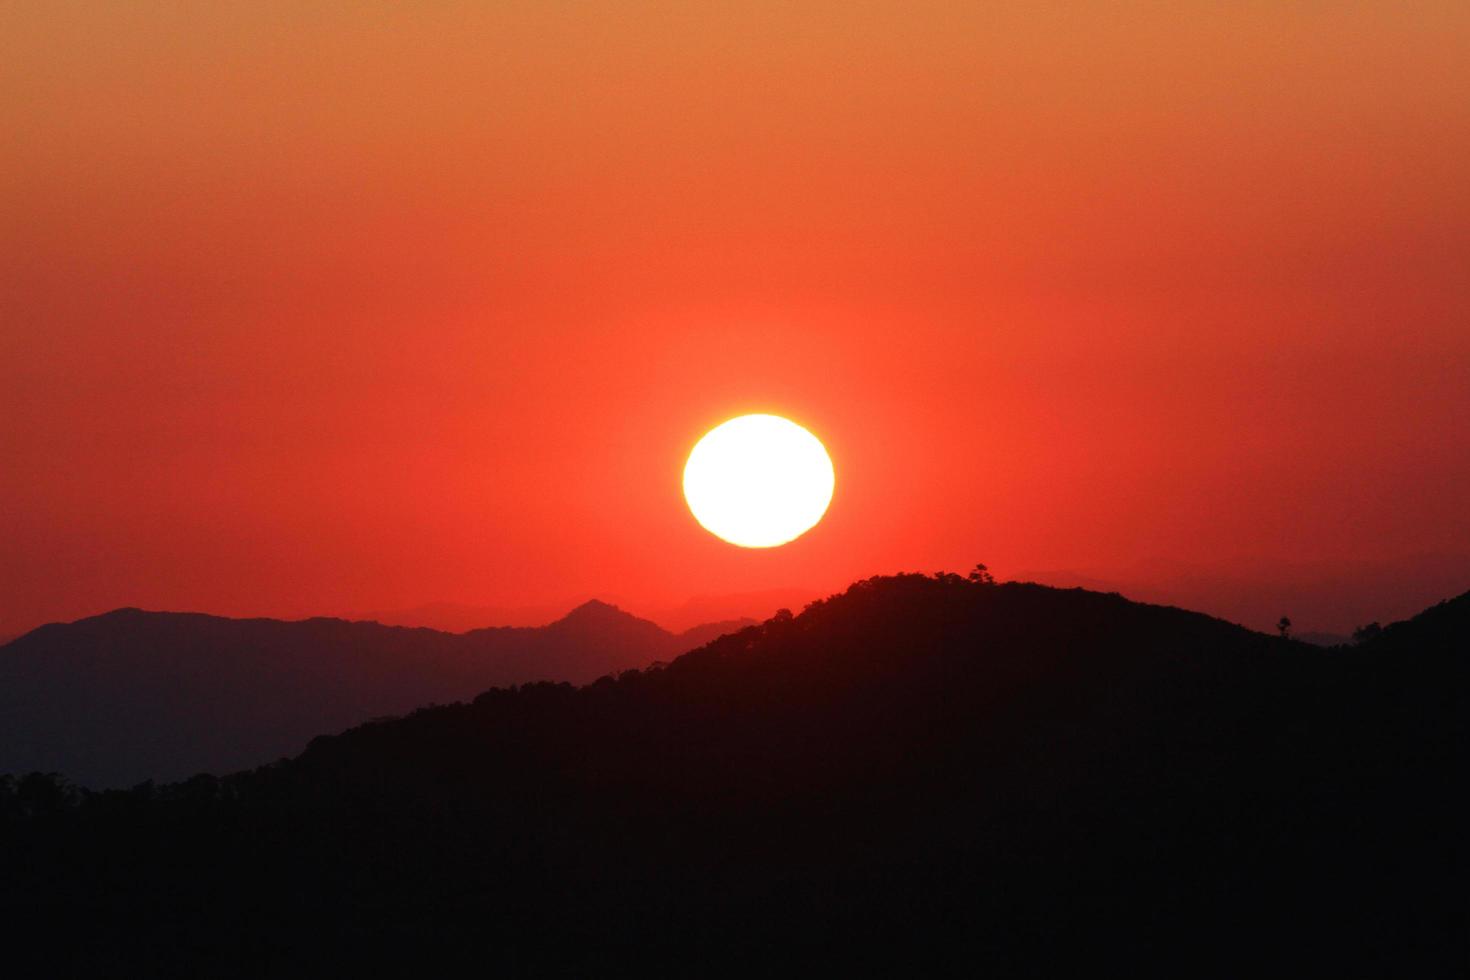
x: 1326, y: 600
x: 461, y: 617
x: 133, y: 695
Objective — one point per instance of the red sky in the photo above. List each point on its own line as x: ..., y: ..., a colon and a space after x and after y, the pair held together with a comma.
x: 314, y: 308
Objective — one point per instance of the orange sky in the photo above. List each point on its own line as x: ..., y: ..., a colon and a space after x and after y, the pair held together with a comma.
x: 319, y: 308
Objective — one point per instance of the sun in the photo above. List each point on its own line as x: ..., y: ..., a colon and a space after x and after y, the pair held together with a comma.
x: 758, y: 481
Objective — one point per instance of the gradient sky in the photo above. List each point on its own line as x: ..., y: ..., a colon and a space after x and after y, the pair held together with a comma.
x: 316, y: 308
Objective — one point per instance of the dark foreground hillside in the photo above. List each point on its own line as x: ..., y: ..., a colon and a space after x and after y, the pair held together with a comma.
x: 921, y: 773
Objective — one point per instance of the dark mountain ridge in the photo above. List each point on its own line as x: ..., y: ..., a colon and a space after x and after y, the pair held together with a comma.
x: 920, y: 773
x: 131, y: 695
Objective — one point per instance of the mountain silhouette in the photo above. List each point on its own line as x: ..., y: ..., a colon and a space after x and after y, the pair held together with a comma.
x: 459, y: 617
x: 921, y: 774
x: 133, y: 695
x: 761, y: 604
x: 1328, y: 599
x: 745, y: 608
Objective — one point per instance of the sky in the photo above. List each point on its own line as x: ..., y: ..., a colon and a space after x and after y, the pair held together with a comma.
x: 313, y: 308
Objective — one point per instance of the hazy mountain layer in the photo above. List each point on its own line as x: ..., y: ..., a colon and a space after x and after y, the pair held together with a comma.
x: 132, y: 695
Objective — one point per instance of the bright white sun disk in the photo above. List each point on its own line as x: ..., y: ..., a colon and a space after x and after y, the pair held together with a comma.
x: 758, y: 481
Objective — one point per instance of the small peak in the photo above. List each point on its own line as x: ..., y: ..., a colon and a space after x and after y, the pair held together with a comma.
x: 604, y: 619
x: 595, y: 610
x: 124, y: 614
x: 597, y: 605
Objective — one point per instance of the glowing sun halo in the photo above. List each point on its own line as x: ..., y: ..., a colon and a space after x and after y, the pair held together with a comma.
x: 758, y: 481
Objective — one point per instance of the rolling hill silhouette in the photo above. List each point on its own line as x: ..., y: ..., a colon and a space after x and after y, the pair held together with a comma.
x: 920, y: 774
x: 133, y: 695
